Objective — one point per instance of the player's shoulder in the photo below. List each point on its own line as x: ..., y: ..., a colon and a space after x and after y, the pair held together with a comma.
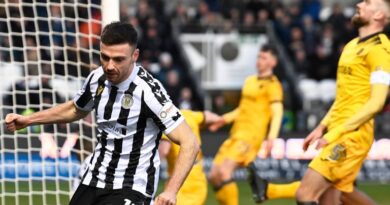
x: 275, y: 78
x: 383, y: 39
x: 95, y: 74
x: 352, y: 42
x: 145, y: 79
x: 251, y: 78
x: 153, y: 87
x: 380, y: 44
x: 99, y: 70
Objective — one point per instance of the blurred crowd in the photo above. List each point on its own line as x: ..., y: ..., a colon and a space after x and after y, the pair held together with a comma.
x: 312, y: 35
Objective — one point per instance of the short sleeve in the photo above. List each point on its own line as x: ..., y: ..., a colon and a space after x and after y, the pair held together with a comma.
x: 167, y: 115
x: 83, y: 99
x: 378, y: 62
x: 275, y: 92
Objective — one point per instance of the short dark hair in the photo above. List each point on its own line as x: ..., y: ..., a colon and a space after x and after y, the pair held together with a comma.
x: 269, y: 48
x: 119, y: 33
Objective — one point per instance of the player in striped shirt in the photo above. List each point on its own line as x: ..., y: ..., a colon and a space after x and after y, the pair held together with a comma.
x: 132, y: 111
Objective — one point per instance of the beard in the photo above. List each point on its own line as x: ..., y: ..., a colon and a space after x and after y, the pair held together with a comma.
x: 358, y: 22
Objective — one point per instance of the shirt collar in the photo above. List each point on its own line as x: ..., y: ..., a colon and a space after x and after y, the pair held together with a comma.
x: 368, y: 37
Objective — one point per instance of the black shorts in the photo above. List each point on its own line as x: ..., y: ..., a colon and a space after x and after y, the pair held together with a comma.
x: 86, y: 195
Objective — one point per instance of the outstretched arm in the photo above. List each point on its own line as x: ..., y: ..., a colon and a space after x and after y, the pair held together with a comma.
x: 63, y: 113
x: 189, y: 149
x: 227, y: 118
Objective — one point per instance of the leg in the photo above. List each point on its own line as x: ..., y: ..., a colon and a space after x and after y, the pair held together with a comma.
x: 356, y: 197
x: 221, y: 177
x: 263, y: 190
x: 258, y: 185
x: 313, y: 185
x: 331, y: 197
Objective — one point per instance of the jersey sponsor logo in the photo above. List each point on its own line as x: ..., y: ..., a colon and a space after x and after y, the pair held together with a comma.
x: 163, y: 114
x: 346, y: 70
x: 168, y: 111
x: 127, y: 101
x: 115, y: 128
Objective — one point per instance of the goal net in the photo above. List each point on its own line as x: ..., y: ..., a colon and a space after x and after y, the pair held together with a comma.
x: 47, y: 48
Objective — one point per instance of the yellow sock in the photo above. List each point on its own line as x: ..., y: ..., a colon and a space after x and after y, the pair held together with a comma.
x: 228, y: 194
x: 277, y: 191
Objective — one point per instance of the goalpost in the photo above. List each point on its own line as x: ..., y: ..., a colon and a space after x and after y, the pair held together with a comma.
x: 47, y: 48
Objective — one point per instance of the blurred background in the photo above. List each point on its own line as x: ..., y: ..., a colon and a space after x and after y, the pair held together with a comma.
x: 201, y: 51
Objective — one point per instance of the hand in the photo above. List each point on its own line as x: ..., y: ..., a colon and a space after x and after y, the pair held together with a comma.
x: 217, y: 124
x: 334, y: 134
x: 313, y: 136
x: 269, y: 144
x: 15, y: 122
x: 211, y: 117
x: 165, y: 198
x: 321, y: 143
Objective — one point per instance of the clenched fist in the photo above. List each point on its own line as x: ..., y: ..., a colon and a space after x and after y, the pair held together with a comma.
x: 15, y: 122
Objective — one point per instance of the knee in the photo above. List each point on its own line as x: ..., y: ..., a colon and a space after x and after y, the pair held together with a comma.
x: 299, y: 195
x: 214, y: 176
x: 218, y: 175
x: 303, y: 194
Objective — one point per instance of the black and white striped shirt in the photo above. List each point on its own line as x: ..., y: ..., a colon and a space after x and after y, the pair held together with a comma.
x: 131, y: 117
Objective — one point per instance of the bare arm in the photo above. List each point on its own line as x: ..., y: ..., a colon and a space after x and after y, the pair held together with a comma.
x: 227, y: 118
x: 63, y: 113
x: 231, y: 116
x: 210, y: 117
x: 164, y: 147
x: 189, y: 149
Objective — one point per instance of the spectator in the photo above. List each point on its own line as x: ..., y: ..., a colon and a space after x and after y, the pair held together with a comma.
x: 185, y: 99
x: 173, y: 86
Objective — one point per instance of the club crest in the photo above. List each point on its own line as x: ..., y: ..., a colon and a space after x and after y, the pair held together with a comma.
x: 127, y: 101
x: 338, y: 153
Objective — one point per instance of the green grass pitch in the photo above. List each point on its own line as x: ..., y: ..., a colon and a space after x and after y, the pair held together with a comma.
x: 51, y: 193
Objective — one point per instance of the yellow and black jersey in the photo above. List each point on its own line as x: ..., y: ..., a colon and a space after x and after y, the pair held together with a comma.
x: 254, y: 110
x: 364, y: 61
x: 195, y: 120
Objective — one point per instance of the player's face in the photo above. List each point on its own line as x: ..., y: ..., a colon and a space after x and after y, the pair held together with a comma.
x: 118, y: 61
x: 365, y: 12
x: 265, y: 61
